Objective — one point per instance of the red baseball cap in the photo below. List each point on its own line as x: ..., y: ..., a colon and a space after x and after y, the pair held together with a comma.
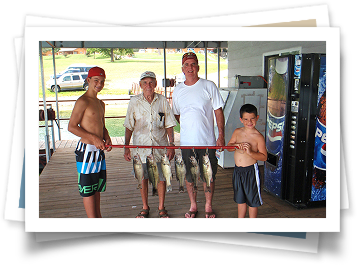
x: 189, y: 55
x: 96, y: 71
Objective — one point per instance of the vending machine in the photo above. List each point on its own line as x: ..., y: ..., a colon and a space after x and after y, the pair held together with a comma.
x: 295, y: 169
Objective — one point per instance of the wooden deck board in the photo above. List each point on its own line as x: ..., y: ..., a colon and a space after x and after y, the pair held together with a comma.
x: 59, y: 196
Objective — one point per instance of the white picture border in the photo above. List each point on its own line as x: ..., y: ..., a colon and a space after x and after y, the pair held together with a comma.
x: 35, y: 224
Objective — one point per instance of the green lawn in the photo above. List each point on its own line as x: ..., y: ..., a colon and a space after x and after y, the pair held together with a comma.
x: 120, y: 75
x: 124, y: 69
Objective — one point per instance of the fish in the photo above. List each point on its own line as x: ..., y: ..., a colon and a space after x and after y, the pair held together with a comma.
x: 166, y: 171
x: 207, y: 171
x: 153, y: 173
x: 138, y: 170
x: 180, y: 169
x: 195, y: 172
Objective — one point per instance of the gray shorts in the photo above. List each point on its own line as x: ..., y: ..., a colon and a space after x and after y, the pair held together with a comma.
x: 146, y: 174
x: 187, y: 153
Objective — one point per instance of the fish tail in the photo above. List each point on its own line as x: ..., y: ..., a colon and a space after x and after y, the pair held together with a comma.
x: 154, y: 191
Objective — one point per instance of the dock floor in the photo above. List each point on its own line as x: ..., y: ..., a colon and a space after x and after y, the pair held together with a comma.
x: 59, y: 196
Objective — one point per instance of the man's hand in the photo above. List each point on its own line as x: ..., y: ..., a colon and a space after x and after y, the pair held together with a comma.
x: 220, y: 141
x: 170, y: 153
x: 127, y: 155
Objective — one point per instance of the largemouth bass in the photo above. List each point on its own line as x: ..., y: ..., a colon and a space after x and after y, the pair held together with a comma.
x: 166, y: 171
x: 138, y: 170
x: 207, y: 171
x: 195, y: 172
x: 180, y: 169
x: 153, y: 173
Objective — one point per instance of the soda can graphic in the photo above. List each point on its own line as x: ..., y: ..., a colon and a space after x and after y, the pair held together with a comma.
x: 275, y: 133
x: 277, y: 89
x: 276, y: 109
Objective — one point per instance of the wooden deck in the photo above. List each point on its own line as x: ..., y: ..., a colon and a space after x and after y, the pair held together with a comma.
x: 59, y: 196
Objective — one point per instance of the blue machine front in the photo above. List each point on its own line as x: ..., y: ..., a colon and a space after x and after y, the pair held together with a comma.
x: 318, y: 190
x: 278, y: 83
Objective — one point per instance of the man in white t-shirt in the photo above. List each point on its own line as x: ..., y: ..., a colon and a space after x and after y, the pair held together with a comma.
x: 196, y: 102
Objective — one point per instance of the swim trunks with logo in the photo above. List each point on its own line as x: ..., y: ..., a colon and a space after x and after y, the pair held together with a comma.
x: 91, y: 168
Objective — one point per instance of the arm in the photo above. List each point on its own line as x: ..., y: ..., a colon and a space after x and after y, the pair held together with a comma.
x: 107, y: 139
x: 220, y: 124
x: 128, y: 134
x: 75, y: 121
x: 106, y: 136
x: 233, y: 141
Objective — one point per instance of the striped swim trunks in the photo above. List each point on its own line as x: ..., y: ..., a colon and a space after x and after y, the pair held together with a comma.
x: 91, y: 168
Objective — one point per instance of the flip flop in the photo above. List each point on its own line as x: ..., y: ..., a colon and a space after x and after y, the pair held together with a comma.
x: 191, y: 213
x: 210, y: 214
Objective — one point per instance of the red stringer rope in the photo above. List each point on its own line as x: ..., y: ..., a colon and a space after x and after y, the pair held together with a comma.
x: 172, y: 147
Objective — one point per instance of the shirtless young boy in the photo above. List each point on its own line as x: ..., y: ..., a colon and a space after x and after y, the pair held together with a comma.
x: 250, y: 145
x: 87, y: 121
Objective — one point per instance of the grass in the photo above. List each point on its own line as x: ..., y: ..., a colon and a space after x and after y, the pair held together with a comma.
x: 120, y: 75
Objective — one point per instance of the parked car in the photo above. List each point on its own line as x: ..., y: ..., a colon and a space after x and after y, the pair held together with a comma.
x: 69, y: 81
x: 77, y: 67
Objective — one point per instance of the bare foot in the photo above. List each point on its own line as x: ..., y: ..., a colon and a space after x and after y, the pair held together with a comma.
x: 209, y: 213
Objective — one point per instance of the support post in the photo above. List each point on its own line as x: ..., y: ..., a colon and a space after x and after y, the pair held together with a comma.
x: 47, y: 139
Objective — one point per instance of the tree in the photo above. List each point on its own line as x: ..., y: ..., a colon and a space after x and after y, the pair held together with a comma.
x: 113, y: 53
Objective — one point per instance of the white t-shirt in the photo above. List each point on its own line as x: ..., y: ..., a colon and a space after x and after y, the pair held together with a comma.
x: 196, y: 104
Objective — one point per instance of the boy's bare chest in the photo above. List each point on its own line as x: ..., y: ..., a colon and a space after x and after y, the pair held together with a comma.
x: 94, y: 110
x: 244, y: 137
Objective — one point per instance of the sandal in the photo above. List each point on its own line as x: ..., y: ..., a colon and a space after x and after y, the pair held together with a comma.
x: 163, y: 213
x: 209, y: 214
x: 191, y: 213
x: 143, y: 213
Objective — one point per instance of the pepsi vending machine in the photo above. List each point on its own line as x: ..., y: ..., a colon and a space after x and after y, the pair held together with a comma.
x: 295, y: 169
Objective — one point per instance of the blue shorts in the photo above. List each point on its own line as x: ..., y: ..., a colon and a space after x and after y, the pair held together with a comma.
x: 91, y: 168
x: 246, y: 185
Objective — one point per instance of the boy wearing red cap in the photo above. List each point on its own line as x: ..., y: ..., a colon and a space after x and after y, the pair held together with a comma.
x: 87, y: 121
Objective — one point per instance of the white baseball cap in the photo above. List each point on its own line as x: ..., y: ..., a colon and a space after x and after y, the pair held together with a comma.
x: 147, y: 74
